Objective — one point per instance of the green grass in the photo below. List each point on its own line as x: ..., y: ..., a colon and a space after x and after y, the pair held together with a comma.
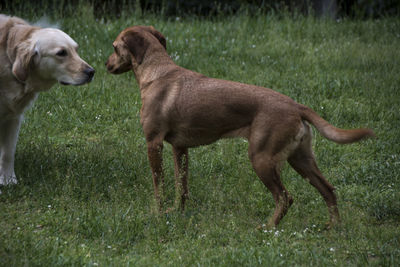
x: 85, y: 193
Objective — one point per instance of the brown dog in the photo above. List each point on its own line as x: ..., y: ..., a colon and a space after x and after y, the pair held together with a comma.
x: 188, y: 109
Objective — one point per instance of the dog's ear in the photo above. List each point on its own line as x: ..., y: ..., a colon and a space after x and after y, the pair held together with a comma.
x: 136, y: 44
x: 20, y: 50
x: 23, y: 61
x: 159, y: 36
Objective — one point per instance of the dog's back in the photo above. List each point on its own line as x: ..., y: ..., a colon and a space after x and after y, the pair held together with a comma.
x: 3, y: 20
x: 5, y: 25
x: 7, y: 22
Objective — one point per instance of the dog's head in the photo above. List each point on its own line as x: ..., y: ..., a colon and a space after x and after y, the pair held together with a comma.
x: 49, y: 55
x: 130, y: 48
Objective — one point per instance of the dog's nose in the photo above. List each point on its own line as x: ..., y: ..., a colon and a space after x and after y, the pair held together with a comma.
x: 89, y: 72
x: 108, y: 66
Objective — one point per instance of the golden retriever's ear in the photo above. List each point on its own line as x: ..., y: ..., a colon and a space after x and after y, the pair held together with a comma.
x: 20, y: 49
x: 136, y: 44
x: 159, y: 36
x: 22, y: 62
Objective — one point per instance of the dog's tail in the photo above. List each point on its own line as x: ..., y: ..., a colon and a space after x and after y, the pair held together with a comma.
x: 332, y: 133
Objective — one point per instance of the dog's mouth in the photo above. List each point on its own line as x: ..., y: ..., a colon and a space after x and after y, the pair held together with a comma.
x: 64, y: 83
x: 75, y: 84
x: 88, y: 80
x: 117, y: 69
x: 113, y: 70
x: 89, y: 73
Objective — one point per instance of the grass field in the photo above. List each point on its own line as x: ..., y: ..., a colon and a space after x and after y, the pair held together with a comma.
x: 85, y: 193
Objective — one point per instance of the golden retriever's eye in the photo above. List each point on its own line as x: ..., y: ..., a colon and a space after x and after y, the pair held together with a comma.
x: 62, y: 53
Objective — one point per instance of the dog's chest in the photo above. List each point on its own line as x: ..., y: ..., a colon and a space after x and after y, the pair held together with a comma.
x: 13, y: 99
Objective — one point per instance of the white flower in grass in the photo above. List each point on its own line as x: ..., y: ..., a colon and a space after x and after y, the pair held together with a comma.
x: 267, y: 243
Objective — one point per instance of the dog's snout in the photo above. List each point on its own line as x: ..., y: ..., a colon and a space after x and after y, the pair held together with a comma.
x: 108, y: 65
x: 89, y: 72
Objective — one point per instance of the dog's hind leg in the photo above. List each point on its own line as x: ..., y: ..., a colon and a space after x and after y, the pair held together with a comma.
x: 269, y: 173
x: 181, y: 162
x: 303, y: 161
x: 270, y: 144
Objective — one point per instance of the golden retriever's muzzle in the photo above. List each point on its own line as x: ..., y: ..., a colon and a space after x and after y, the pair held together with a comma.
x: 86, y: 76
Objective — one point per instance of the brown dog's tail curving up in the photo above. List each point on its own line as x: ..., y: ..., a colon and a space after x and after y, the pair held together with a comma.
x: 331, y: 132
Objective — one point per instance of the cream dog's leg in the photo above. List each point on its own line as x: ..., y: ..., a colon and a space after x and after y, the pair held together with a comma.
x: 9, y: 130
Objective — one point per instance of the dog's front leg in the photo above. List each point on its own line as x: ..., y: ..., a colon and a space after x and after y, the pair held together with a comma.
x: 8, y: 140
x: 154, y: 152
x: 181, y: 162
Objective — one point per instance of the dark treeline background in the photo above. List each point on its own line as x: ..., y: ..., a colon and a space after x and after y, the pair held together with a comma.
x: 115, y: 8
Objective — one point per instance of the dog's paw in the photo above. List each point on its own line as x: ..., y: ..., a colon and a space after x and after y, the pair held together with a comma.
x: 265, y: 227
x: 170, y: 210
x: 6, y: 179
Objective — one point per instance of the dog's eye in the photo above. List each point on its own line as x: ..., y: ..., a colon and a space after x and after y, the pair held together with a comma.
x: 62, y: 53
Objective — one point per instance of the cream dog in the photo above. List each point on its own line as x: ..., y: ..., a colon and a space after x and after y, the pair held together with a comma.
x: 32, y: 60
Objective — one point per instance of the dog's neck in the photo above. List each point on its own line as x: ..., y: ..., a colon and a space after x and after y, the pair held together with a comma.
x: 24, y: 99
x: 156, y: 64
x: 36, y: 85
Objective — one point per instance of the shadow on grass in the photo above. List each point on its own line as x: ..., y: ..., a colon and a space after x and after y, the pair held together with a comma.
x: 81, y: 171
